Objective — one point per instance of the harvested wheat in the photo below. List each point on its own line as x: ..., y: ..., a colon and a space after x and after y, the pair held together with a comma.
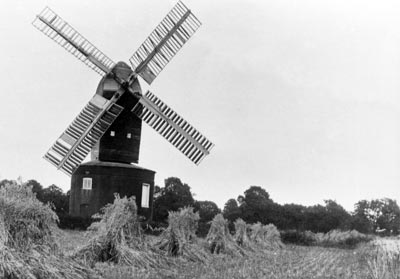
x: 27, y: 245
x: 220, y: 240
x: 26, y: 220
x: 257, y: 233
x: 117, y: 237
x: 179, y: 239
x: 340, y: 238
x: 266, y: 236
x: 273, y: 237
x: 241, y: 235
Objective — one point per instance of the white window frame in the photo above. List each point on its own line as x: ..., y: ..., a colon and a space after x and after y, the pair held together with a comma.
x: 145, y: 195
x: 87, y: 183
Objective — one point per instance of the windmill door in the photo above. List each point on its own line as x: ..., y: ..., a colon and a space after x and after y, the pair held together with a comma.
x: 86, y: 194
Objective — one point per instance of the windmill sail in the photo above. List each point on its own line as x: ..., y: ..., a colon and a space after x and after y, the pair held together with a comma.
x: 172, y: 127
x: 74, y: 144
x: 164, y: 42
x: 62, y: 33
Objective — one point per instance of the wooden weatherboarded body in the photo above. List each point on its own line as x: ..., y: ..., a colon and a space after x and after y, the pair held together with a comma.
x: 110, y: 171
x: 109, y: 126
x: 93, y: 185
x: 121, y: 142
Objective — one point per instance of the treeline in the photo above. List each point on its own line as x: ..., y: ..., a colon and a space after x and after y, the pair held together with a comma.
x: 51, y: 194
x: 375, y: 216
x: 58, y: 200
x: 255, y: 205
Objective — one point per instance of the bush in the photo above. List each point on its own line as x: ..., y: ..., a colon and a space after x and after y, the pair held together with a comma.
x: 74, y: 222
x: 334, y: 238
x: 297, y: 237
x: 203, y: 229
x: 345, y: 239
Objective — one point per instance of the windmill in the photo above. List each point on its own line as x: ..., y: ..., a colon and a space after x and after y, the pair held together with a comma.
x: 109, y: 126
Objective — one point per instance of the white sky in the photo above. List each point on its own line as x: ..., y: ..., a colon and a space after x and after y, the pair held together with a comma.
x: 300, y: 97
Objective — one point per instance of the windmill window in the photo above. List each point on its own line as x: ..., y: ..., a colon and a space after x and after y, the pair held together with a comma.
x: 87, y: 183
x: 112, y: 133
x: 128, y: 135
x: 145, y: 195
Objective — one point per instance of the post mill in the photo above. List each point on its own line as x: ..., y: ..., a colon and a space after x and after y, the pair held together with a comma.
x: 110, y: 125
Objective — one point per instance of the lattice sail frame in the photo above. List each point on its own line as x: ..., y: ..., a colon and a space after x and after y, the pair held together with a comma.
x: 148, y: 61
x: 75, y: 143
x: 66, y: 36
x: 173, y: 127
x: 164, y: 42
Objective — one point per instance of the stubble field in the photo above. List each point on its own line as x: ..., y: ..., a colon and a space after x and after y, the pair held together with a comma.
x: 377, y: 259
x: 116, y: 246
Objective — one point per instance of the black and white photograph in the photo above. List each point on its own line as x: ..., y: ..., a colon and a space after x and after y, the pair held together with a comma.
x: 200, y: 139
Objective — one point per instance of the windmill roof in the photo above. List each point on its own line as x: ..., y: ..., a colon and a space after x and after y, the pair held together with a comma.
x: 114, y: 164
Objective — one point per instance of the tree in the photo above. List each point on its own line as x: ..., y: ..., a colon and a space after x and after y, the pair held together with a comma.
x: 157, y: 191
x: 256, y: 206
x: 360, y: 218
x: 207, y: 210
x: 231, y: 210
x: 37, y: 188
x: 337, y: 216
x: 256, y: 195
x: 314, y: 218
x: 378, y: 214
x: 56, y: 196
x: 293, y: 217
x: 172, y: 196
x: 387, y: 215
x: 7, y: 182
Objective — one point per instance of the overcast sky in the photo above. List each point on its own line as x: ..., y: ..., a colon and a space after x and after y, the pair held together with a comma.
x: 299, y: 97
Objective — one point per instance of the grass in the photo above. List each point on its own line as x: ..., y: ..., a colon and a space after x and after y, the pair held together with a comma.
x: 70, y: 241
x: 291, y: 261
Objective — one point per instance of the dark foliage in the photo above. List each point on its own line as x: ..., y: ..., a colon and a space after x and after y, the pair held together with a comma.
x: 231, y: 210
x: 74, y: 222
x: 52, y: 194
x: 381, y: 216
x: 256, y: 206
x: 373, y: 216
x: 296, y: 237
x: 59, y: 202
x: 173, y: 196
x: 207, y: 211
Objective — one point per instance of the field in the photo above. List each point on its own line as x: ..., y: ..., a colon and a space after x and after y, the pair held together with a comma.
x: 379, y: 259
x: 116, y: 247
